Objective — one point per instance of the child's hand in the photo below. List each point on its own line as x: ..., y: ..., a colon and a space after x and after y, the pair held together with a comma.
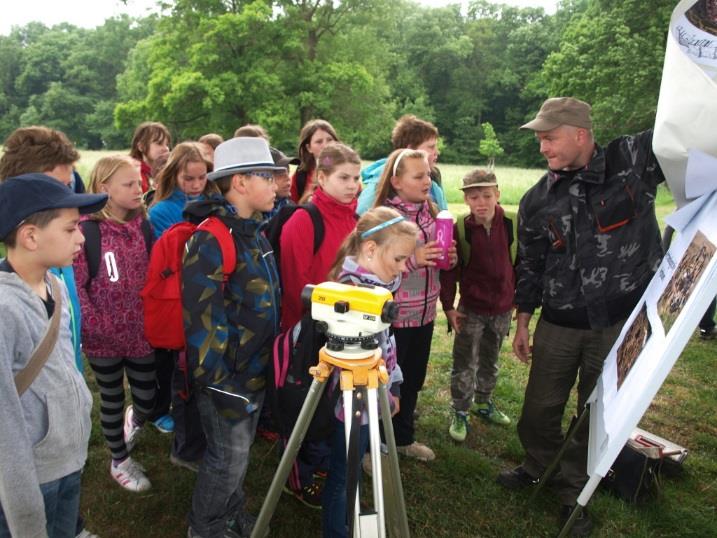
x: 453, y: 255
x: 396, y: 405
x: 427, y: 254
x: 455, y: 319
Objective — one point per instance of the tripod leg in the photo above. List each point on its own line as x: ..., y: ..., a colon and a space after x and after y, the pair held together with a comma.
x: 287, y: 460
x: 375, y: 444
x: 393, y: 469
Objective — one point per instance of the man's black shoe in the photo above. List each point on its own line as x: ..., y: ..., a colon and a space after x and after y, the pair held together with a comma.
x: 708, y: 334
x: 517, y: 478
x: 582, y: 526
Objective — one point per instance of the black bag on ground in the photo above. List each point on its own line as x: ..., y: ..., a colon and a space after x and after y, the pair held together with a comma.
x: 289, y: 380
x: 645, y: 459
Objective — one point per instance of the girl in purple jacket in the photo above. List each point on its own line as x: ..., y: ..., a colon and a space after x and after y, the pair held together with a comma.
x: 405, y: 186
x: 113, y: 331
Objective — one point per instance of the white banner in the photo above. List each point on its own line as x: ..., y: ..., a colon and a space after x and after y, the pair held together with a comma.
x: 687, y: 108
x: 668, y: 313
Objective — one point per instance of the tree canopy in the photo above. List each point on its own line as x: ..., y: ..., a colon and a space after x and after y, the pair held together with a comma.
x: 213, y: 65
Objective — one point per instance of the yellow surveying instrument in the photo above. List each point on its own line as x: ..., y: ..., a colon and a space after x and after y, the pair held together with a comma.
x: 351, y: 317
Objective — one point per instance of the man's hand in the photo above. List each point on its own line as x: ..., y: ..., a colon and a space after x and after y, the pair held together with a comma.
x: 521, y: 341
x: 455, y: 319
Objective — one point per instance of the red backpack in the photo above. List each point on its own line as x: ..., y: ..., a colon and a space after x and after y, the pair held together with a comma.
x: 162, y: 293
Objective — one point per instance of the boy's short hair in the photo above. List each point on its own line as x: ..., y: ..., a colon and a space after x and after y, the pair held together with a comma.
x: 37, y: 199
x: 252, y: 130
x: 35, y: 149
x: 145, y: 134
x: 411, y: 132
x: 211, y: 139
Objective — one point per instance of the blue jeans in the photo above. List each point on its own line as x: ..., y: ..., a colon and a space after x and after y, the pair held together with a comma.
x: 62, y: 506
x: 333, y: 500
x: 218, y: 495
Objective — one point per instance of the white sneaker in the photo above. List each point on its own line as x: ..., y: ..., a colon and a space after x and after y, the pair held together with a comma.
x: 130, y: 475
x: 417, y: 450
x: 131, y: 431
x: 86, y: 534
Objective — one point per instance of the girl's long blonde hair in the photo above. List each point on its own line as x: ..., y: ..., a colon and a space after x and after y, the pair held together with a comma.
x: 103, y: 171
x: 372, y: 218
x: 182, y: 154
x: 395, y: 166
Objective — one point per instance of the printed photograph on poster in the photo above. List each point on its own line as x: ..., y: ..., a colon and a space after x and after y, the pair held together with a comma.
x: 688, y: 272
x: 632, y: 344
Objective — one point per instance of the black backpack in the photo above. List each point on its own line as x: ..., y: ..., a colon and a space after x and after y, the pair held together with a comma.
x: 289, y: 381
x: 276, y: 224
x: 93, y: 244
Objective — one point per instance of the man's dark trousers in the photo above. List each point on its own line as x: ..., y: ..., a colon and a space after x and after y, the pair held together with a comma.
x: 559, y: 355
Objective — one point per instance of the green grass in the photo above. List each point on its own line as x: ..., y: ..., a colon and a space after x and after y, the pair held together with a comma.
x: 456, y: 495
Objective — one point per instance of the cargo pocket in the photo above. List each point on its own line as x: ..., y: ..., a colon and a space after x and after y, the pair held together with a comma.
x: 615, y: 209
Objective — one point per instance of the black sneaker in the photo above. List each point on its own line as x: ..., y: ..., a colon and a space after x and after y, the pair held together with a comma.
x: 582, y: 526
x: 309, y: 495
x: 708, y: 334
x: 517, y: 478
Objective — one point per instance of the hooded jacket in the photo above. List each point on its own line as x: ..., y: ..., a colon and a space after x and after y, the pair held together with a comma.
x: 371, y: 175
x: 588, y: 240
x: 420, y: 286
x: 487, y: 280
x: 299, y: 265
x: 164, y: 214
x: 111, y: 304
x: 44, y: 433
x: 229, y: 327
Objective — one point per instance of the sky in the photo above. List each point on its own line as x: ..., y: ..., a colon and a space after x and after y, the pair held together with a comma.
x: 91, y: 13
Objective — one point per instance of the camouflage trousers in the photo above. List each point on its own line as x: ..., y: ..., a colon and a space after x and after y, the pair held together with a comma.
x: 475, y: 358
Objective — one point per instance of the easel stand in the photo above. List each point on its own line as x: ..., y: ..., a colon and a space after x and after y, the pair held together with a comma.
x: 362, y: 378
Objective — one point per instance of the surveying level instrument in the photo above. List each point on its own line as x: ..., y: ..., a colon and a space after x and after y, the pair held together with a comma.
x: 351, y: 317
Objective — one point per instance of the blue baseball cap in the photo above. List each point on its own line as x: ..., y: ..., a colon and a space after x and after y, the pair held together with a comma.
x: 25, y: 195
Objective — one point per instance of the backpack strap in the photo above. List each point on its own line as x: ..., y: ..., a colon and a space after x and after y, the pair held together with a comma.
x: 223, y: 235
x: 318, y: 222
x: 510, y: 219
x: 25, y: 377
x: 146, y: 228
x: 91, y: 231
x: 463, y: 240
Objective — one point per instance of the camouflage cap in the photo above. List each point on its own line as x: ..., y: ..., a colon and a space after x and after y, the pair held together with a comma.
x: 558, y: 111
x: 479, y: 178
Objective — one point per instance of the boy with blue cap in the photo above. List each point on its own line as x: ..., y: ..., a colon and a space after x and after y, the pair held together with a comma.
x: 45, y: 406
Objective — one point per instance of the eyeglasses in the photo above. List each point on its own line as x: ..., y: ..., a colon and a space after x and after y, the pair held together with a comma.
x: 267, y: 175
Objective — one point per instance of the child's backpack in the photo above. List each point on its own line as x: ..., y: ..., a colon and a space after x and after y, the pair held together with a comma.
x: 162, y: 293
x: 93, y: 244
x: 289, y: 380
x: 510, y: 220
x: 276, y: 224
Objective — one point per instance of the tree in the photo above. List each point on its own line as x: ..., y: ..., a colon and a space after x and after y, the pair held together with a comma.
x: 490, y: 146
x: 611, y: 56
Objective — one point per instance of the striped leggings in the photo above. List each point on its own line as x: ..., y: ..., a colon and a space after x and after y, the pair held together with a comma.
x: 109, y: 373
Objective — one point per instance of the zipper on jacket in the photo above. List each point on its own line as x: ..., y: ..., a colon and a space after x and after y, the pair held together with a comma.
x: 425, y: 291
x: 271, y: 279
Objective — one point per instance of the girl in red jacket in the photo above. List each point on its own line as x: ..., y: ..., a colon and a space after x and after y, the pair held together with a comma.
x: 338, y: 173
x: 314, y: 136
x: 113, y: 331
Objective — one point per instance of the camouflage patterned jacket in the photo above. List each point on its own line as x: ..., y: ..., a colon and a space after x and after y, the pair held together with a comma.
x: 588, y: 240
x: 229, y: 329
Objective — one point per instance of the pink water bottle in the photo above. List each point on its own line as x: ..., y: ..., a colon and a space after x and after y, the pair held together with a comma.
x: 444, y: 236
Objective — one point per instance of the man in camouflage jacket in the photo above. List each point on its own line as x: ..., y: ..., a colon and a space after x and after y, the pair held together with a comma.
x: 588, y: 245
